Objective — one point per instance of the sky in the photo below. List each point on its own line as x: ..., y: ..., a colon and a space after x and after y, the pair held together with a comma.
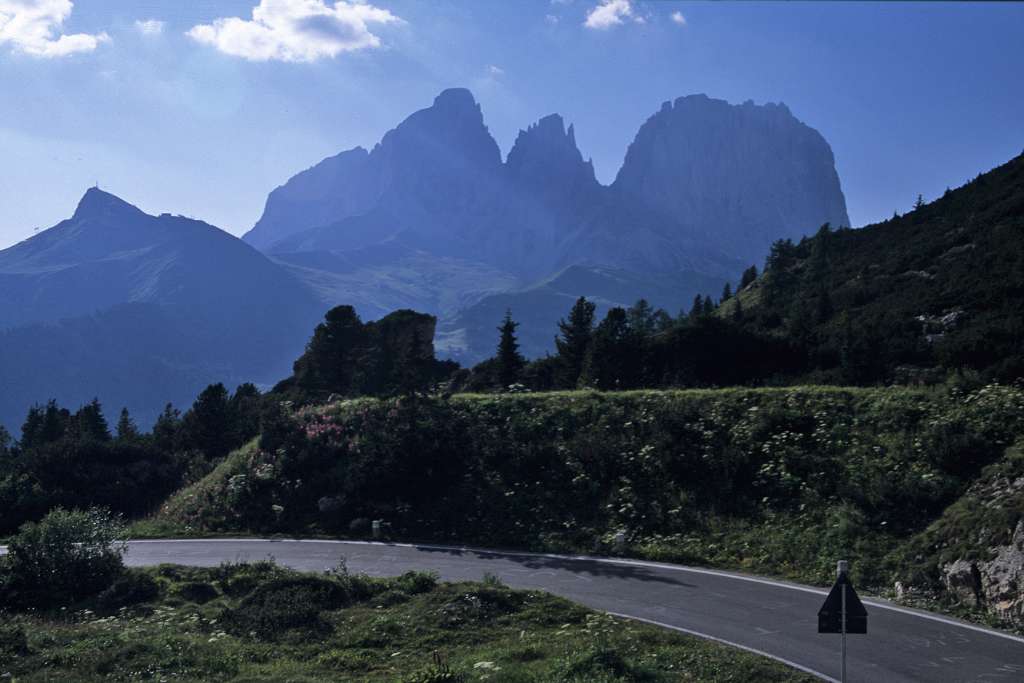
x: 200, y: 108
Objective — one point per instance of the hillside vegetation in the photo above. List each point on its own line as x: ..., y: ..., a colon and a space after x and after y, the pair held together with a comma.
x: 939, y: 289
x: 777, y: 481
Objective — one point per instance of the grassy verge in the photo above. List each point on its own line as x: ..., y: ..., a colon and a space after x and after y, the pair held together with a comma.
x: 260, y: 622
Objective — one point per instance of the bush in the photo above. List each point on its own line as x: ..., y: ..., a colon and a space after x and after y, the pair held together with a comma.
x: 69, y: 555
x: 198, y: 592
x: 415, y: 583
x: 286, y: 604
x: 13, y: 641
x: 131, y: 588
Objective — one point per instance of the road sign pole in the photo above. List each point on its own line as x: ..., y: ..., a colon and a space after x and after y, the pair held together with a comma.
x: 841, y: 570
x: 844, y: 634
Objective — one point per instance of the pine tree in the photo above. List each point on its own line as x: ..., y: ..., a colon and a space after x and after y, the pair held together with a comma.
x: 510, y: 361
x: 614, y: 358
x: 90, y: 422
x: 573, y: 342
x: 126, y: 427
x: 208, y: 426
x: 641, y: 318
x: 749, y: 275
x: 167, y: 430
x: 709, y: 306
x: 697, y: 310
x: 726, y: 292
x: 919, y: 202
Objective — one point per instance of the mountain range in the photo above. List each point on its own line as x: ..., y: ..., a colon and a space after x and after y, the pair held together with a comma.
x: 141, y: 310
x: 704, y: 190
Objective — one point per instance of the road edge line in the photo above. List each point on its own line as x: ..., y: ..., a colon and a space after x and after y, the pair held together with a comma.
x: 723, y: 641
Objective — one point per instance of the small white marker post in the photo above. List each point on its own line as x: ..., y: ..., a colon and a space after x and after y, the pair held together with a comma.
x: 842, y: 567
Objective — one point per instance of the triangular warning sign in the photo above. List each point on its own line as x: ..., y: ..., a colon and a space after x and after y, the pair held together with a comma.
x: 830, y: 615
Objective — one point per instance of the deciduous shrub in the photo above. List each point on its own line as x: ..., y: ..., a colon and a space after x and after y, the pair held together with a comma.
x: 131, y: 588
x: 68, y: 555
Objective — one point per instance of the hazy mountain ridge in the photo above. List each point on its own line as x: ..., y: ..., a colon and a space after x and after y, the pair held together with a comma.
x: 164, y: 301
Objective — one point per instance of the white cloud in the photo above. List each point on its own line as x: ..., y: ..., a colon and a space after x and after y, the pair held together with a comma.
x: 609, y: 13
x: 551, y: 19
x: 150, y: 27
x: 678, y: 18
x: 34, y: 28
x: 296, y: 30
x: 495, y: 71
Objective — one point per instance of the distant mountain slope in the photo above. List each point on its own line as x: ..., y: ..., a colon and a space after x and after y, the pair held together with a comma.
x: 139, y: 356
x: 940, y: 287
x: 232, y: 312
x: 705, y: 187
x: 471, y: 335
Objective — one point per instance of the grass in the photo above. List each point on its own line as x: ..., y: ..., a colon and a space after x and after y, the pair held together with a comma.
x: 261, y: 622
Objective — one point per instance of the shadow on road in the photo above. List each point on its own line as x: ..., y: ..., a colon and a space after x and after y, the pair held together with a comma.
x: 573, y: 566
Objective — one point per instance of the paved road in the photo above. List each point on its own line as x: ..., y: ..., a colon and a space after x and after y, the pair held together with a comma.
x: 769, y: 617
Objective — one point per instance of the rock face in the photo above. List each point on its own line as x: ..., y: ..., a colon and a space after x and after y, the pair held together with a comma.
x: 335, y: 188
x: 996, y: 585
x: 734, y: 178
x: 705, y: 186
x: 427, y: 183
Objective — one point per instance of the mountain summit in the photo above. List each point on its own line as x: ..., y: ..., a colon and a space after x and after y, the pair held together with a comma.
x: 704, y: 185
x: 96, y: 203
x: 140, y: 310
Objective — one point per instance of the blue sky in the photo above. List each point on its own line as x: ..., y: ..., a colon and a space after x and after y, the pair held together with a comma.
x: 206, y: 121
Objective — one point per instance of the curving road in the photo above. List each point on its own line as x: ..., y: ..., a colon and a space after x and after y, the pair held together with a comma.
x: 769, y: 617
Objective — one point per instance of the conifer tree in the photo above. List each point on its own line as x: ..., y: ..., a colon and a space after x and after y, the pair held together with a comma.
x: 573, y: 342
x: 126, y: 427
x: 510, y: 361
x: 726, y: 292
x: 91, y: 424
x: 749, y: 275
x: 697, y: 310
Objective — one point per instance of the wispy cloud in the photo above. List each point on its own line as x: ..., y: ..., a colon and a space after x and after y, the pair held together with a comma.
x: 296, y: 30
x: 495, y: 71
x: 609, y: 13
x: 678, y: 18
x: 149, y: 27
x: 33, y: 27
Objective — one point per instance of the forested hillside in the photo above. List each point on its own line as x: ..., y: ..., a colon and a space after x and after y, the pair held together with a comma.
x: 938, y: 289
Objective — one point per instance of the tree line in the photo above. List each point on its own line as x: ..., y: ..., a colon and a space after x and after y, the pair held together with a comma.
x: 75, y: 460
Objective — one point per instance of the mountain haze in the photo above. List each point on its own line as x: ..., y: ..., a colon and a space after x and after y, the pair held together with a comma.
x: 164, y: 302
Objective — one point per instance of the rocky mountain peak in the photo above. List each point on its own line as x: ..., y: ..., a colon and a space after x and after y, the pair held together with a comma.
x: 546, y: 152
x: 734, y: 177
x: 96, y: 203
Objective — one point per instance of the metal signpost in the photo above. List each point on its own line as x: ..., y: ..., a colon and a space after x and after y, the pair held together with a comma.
x: 843, y: 612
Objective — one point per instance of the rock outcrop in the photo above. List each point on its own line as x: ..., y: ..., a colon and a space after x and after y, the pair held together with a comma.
x: 996, y: 585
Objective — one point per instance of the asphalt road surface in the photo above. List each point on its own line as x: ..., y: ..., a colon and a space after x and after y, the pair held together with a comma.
x: 769, y: 617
